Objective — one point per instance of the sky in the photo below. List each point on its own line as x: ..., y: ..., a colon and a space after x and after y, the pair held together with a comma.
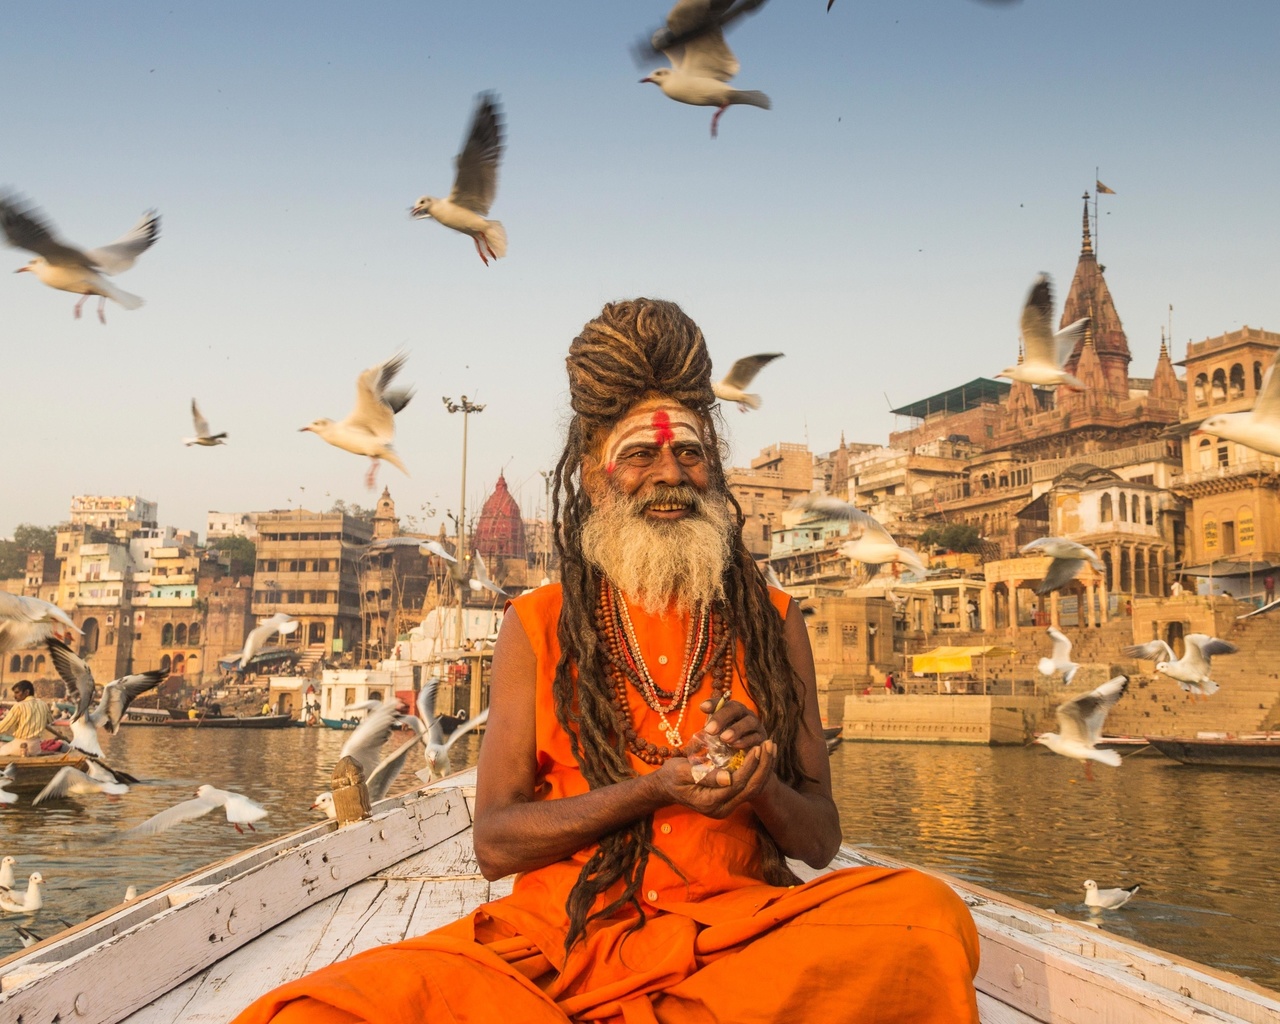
x: 923, y: 161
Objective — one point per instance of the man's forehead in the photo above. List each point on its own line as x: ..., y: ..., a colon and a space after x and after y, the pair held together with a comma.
x: 659, y: 422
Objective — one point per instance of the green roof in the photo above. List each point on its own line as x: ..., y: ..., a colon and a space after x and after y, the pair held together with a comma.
x: 979, y: 391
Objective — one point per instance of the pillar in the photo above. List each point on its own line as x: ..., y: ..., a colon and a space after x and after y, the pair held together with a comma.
x: 1053, y: 611
x: 1013, y: 605
x: 1162, y: 588
x: 986, y: 607
x: 1103, y: 614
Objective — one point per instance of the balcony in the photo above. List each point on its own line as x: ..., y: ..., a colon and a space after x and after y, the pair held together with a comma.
x: 1250, y: 468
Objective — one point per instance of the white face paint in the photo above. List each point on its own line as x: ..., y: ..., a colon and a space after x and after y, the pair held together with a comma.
x: 652, y: 425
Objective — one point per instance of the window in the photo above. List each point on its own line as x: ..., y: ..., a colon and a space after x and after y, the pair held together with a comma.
x: 1149, y: 513
x: 166, y: 635
x: 193, y: 634
x: 1206, y: 454
x: 1236, y: 387
x: 1257, y: 376
x: 1228, y: 537
x: 1104, y: 508
x: 1218, y: 390
x: 15, y: 663
x: 821, y: 629
x: 1124, y: 509
x: 180, y: 634
x: 165, y: 663
x: 1224, y: 458
x: 849, y: 633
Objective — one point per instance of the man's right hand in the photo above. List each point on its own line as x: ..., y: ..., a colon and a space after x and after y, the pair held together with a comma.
x: 722, y: 792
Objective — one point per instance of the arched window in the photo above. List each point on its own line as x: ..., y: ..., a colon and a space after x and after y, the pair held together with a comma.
x: 1257, y: 376
x: 15, y: 663
x: 193, y: 635
x: 165, y: 663
x: 1104, y: 508
x: 166, y: 635
x: 1124, y: 509
x: 39, y: 667
x: 180, y: 634
x: 1236, y: 387
x: 1218, y: 389
x: 179, y: 664
x: 1201, y: 390
x: 1136, y: 506
x: 26, y: 663
x: 1150, y: 512
x: 1004, y: 479
x: 89, y: 642
x: 1206, y: 454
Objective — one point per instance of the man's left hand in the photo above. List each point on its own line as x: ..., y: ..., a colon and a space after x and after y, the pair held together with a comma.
x: 736, y: 726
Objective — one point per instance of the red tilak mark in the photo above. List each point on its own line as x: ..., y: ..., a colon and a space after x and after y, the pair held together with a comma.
x: 663, y: 434
x: 609, y: 469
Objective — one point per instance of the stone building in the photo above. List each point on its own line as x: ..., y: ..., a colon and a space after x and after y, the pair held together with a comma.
x: 398, y: 584
x: 500, y: 539
x: 776, y: 477
x: 231, y: 524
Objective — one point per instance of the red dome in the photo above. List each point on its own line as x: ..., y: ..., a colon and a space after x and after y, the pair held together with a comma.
x: 500, y: 531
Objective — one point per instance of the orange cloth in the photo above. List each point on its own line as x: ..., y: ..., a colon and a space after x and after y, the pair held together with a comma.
x: 864, y: 944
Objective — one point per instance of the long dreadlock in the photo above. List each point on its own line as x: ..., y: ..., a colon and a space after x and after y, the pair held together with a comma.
x: 634, y: 349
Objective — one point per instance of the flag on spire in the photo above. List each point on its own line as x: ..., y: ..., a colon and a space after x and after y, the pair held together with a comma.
x: 1103, y: 190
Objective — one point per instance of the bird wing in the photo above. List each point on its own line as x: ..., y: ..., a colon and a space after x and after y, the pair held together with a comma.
x: 365, y: 742
x: 380, y: 780
x: 834, y: 508
x: 1061, y: 572
x: 1061, y: 646
x: 1037, y: 319
x: 1200, y: 648
x: 433, y: 547
x: 75, y: 673
x: 1065, y: 340
x: 26, y: 228
x: 1268, y: 404
x: 201, y: 424
x: 744, y: 371
x: 1155, y: 650
x: 32, y: 610
x: 705, y: 56
x: 475, y: 180
x: 427, y: 711
x: 120, y: 254
x: 175, y: 815
x: 466, y: 727
x: 240, y: 808
x: 372, y: 412
x: 687, y: 21
x: 280, y: 622
x: 1081, y: 719
x: 118, y: 694
x: 62, y: 783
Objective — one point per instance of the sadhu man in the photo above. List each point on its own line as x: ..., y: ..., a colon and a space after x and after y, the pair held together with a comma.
x: 644, y: 895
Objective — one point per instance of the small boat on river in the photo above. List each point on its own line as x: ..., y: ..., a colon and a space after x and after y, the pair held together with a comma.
x: 32, y: 774
x: 1246, y: 750
x: 205, y: 946
x: 210, y: 721
x: 832, y: 736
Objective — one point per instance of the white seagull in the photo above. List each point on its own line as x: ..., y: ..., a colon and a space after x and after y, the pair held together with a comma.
x: 870, y: 542
x: 27, y: 621
x: 70, y: 269
x: 365, y: 744
x: 1259, y: 428
x: 73, y: 782
x: 7, y: 778
x: 6, y: 871
x: 475, y: 183
x: 702, y: 64
x: 1044, y: 350
x: 117, y: 695
x: 240, y: 810
x: 740, y: 376
x: 434, y: 547
x: 280, y: 622
x: 480, y: 577
x: 1107, y: 899
x: 370, y: 427
x: 1191, y: 671
x: 1080, y: 725
x: 1060, y: 660
x: 437, y: 753
x: 1068, y: 559
x: 26, y: 902
x: 203, y: 437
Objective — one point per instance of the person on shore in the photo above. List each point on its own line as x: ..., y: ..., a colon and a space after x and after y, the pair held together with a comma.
x: 644, y: 892
x: 25, y: 722
x: 888, y: 683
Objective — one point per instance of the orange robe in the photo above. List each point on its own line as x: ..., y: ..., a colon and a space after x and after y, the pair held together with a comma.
x: 718, y: 944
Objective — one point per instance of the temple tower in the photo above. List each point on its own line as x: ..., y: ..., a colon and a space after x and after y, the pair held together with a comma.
x: 1089, y: 296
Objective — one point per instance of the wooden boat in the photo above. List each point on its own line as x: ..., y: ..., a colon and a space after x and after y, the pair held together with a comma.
x: 343, y: 724
x: 1248, y: 750
x: 147, y: 716
x: 203, y: 947
x: 832, y: 736
x: 232, y: 722
x: 34, y: 773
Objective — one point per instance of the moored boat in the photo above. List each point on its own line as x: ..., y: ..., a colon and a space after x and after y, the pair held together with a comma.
x: 206, y: 945
x: 832, y: 736
x: 32, y: 774
x: 233, y: 722
x: 1246, y: 750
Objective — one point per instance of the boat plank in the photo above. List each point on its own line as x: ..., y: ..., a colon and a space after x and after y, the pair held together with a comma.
x: 174, y: 944
x: 444, y: 902
x: 453, y: 858
x: 373, y: 913
x: 992, y: 1011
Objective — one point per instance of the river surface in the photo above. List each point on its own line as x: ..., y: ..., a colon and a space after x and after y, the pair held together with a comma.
x: 1203, y: 843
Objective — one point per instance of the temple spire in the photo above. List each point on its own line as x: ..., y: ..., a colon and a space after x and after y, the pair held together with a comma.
x: 1087, y: 245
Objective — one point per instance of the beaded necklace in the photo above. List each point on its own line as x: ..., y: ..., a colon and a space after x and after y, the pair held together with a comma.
x: 707, y: 649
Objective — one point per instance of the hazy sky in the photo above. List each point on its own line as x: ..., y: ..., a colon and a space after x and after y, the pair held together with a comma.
x: 923, y: 161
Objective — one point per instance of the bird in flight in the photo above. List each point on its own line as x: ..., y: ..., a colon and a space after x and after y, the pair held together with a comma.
x: 701, y: 61
x: 240, y: 810
x: 27, y: 621
x: 740, y: 376
x: 1060, y: 660
x: 203, y: 437
x: 1259, y: 428
x: 280, y: 622
x: 475, y: 183
x: 869, y: 543
x: 1045, y: 350
x: 1068, y: 559
x: 117, y: 695
x: 69, y: 269
x: 1080, y: 725
x: 1191, y: 671
x: 370, y: 427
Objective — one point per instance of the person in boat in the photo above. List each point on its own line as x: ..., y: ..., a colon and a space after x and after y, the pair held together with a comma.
x: 26, y: 721
x: 642, y: 893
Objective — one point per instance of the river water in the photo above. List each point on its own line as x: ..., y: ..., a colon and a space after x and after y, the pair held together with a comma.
x: 1204, y: 843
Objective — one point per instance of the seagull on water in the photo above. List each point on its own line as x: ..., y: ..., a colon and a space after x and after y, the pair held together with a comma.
x: 117, y: 695
x: 1107, y: 899
x: 437, y: 754
x: 370, y: 427
x: 70, y: 269
x: 28, y: 937
x: 203, y: 437
x: 280, y: 622
x: 240, y: 810
x: 6, y: 870
x: 26, y: 902
x: 475, y: 183
x: 1191, y: 671
x: 740, y: 376
x: 702, y: 64
x: 1060, y: 660
x: 73, y: 782
x: 870, y: 542
x: 1080, y: 725
x: 27, y: 621
x: 1044, y: 350
x: 1259, y: 428
x: 1068, y: 559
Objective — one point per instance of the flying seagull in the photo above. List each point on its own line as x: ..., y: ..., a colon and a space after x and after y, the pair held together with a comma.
x: 434, y: 547
x: 1068, y: 559
x: 1080, y: 725
x: 240, y: 810
x: 475, y: 183
x: 117, y: 695
x: 1060, y: 660
x: 437, y: 752
x: 280, y: 622
x: 870, y: 543
x: 1106, y: 899
x: 70, y: 269
x: 1044, y: 350
x: 702, y: 65
x: 27, y: 621
x: 365, y: 745
x: 714, y: 17
x: 370, y: 427
x: 203, y: 437
x: 1191, y: 671
x: 480, y: 577
x: 73, y: 782
x: 1259, y: 428
x: 740, y: 375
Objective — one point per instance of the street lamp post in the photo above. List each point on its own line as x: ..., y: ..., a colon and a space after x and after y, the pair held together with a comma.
x: 547, y: 477
x: 466, y: 407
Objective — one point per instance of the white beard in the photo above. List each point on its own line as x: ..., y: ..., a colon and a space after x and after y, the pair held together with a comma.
x: 658, y: 563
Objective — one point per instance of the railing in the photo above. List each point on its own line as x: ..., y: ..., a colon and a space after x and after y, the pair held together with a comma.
x: 1225, y: 472
x: 1149, y: 451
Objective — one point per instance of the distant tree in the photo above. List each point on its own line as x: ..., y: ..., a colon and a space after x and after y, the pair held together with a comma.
x: 26, y: 537
x: 240, y: 552
x: 354, y: 511
x: 952, y: 537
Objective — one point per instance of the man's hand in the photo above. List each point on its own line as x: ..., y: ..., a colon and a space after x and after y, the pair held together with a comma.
x: 736, y: 726
x: 718, y: 795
